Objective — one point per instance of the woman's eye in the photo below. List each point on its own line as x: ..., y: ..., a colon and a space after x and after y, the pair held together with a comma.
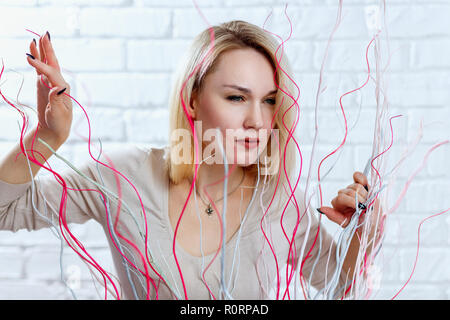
x: 271, y: 101
x: 234, y: 98
x: 240, y: 98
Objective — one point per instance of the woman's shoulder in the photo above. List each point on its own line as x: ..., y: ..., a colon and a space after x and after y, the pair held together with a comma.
x: 134, y: 158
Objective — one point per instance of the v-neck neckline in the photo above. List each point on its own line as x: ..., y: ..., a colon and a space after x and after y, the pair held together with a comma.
x: 231, y: 242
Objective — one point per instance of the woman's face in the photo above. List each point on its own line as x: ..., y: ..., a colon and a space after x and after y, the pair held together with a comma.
x: 239, y: 99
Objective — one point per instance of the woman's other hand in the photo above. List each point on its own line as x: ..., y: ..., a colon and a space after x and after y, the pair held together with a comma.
x: 54, y: 104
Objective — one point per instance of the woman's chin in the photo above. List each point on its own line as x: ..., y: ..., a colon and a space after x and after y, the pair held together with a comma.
x: 245, y: 156
x: 245, y: 159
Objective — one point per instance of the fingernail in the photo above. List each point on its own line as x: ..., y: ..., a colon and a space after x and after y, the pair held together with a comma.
x: 48, y: 35
x: 61, y: 91
x: 30, y: 56
x: 320, y: 211
x: 365, y: 187
x: 34, y: 40
x: 361, y: 206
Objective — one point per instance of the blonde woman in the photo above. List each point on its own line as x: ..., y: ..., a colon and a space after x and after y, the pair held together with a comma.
x: 229, y: 86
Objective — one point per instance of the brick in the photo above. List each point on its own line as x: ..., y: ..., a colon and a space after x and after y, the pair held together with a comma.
x: 57, y: 164
x: 419, y: 89
x: 54, y: 19
x: 435, y: 166
x: 153, y: 23
x: 77, y: 55
x: 14, y: 267
x: 332, y: 126
x: 418, y: 292
x: 406, y: 159
x: 353, y: 24
x: 44, y: 237
x: 101, y: 121
x: 187, y: 23
x: 370, y: 2
x: 299, y: 55
x: 363, y: 128
x: 350, y: 55
x: 13, y: 55
x: 343, y: 164
x: 155, y: 55
x: 439, y: 196
x: 431, y: 267
x: 335, y: 85
x: 429, y: 54
x: 94, y: 3
x: 430, y: 18
x: 177, y: 3
x: 307, y: 83
x: 29, y: 290
x: 435, y: 123
x: 144, y: 126
x: 447, y: 221
x: 417, y: 195
x: 342, y: 56
x: 237, y: 3
x: 433, y: 233
x: 92, y: 234
x: 21, y: 86
x: 12, y: 124
x: 329, y: 191
x: 21, y: 3
x: 124, y: 89
x: 6, y: 147
x: 389, y: 264
x: 391, y: 231
x: 44, y: 264
x: 386, y: 291
x: 81, y: 154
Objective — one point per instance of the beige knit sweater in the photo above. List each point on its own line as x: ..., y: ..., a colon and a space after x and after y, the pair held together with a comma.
x: 249, y: 267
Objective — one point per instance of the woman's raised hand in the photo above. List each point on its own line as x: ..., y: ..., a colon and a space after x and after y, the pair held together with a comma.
x: 54, y: 104
x: 344, y: 205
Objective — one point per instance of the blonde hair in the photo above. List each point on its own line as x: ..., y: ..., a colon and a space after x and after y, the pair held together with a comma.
x: 199, y: 62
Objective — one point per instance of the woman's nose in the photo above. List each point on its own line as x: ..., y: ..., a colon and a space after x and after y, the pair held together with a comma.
x: 254, y: 117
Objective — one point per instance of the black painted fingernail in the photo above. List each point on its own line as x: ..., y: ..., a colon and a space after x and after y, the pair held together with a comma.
x: 34, y: 40
x: 320, y: 211
x: 61, y: 91
x: 30, y: 56
x: 365, y: 187
x: 362, y: 206
x: 48, y: 35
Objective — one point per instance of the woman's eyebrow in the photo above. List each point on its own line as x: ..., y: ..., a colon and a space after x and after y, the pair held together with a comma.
x: 246, y: 90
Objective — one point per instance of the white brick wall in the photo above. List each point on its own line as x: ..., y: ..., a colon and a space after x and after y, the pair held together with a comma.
x: 119, y: 56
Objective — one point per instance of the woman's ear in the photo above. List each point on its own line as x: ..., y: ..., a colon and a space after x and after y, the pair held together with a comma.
x: 192, y: 108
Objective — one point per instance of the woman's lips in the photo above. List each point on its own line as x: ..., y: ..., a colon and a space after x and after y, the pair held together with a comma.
x: 249, y: 143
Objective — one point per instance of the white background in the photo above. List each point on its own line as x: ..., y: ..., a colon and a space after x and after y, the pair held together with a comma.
x: 119, y: 55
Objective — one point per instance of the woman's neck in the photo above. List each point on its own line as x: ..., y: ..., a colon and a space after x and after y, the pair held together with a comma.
x: 211, y: 177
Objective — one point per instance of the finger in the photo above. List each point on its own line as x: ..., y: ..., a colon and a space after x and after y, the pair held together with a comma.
x: 360, y: 178
x: 351, y: 192
x: 50, y: 52
x: 335, y: 216
x: 358, y: 188
x: 52, y: 75
x: 42, y: 56
x: 343, y: 202
x: 56, y: 96
x: 58, y: 107
x: 34, y: 51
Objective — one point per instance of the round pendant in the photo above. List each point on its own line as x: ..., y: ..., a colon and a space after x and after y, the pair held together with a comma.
x: 208, y: 210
